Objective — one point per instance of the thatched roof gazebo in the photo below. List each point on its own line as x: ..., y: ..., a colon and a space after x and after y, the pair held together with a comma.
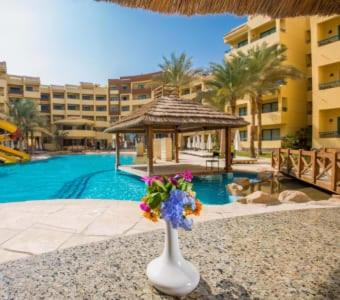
x: 174, y: 116
x: 272, y: 8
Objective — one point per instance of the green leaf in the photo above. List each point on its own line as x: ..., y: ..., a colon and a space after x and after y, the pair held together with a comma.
x: 160, y: 185
x: 155, y: 200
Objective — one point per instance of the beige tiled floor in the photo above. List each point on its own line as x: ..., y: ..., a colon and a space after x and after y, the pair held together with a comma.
x: 35, y: 227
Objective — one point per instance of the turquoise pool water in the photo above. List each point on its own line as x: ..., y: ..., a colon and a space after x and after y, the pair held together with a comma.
x: 90, y: 176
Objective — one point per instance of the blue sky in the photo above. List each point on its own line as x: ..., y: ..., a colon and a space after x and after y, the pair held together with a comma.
x: 67, y: 41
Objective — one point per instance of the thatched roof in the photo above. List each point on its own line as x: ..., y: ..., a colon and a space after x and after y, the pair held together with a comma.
x: 169, y: 114
x: 272, y: 8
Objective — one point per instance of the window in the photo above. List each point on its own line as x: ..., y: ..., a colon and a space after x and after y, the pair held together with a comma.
x: 87, y: 97
x: 124, y: 98
x: 142, y: 97
x: 113, y: 88
x: 309, y: 84
x: 2, y: 91
x: 308, y: 36
x: 270, y: 107
x: 58, y: 95
x: 125, y: 87
x: 271, y: 134
x: 308, y: 60
x: 309, y: 107
x: 29, y: 88
x: 87, y: 107
x: 101, y: 119
x: 242, y: 43
x: 125, y: 108
x: 267, y: 32
x: 243, y: 135
x: 73, y: 96
x: 141, y: 86
x: 114, y: 98
x: 15, y: 89
x: 100, y: 97
x: 45, y: 108
x: 114, y: 108
x: 100, y: 108
x: 45, y: 96
x: 242, y: 111
x: 58, y: 106
x: 72, y: 107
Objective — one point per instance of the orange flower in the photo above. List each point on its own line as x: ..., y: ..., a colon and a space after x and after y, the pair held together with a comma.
x: 198, y: 209
x: 151, y: 216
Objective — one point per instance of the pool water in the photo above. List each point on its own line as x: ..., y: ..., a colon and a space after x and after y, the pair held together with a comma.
x: 92, y: 176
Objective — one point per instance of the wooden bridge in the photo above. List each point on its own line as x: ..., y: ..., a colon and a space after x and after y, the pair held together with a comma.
x: 320, y: 168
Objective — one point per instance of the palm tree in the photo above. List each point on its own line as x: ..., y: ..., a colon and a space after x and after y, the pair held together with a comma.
x: 229, y: 82
x: 177, y: 72
x: 267, y: 74
x: 25, y: 115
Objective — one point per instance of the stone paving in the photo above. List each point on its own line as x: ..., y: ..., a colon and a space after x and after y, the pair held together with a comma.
x: 280, y: 255
x: 35, y: 227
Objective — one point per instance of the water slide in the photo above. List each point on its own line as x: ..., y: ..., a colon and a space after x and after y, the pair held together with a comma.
x: 7, y: 154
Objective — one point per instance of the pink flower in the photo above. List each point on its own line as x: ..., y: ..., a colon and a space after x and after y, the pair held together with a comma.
x: 149, y: 180
x: 187, y: 175
x: 143, y: 206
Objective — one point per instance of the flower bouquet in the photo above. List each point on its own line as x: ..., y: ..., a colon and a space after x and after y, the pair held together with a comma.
x: 173, y: 200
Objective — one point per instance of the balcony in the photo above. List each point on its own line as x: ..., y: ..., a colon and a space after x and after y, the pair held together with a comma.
x: 329, y: 85
x: 329, y: 40
x: 270, y: 39
x: 329, y: 134
x: 256, y: 21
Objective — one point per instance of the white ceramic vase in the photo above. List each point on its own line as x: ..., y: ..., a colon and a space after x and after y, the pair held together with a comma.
x: 170, y: 273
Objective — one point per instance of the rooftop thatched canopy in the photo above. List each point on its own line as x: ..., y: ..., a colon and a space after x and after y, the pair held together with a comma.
x: 170, y: 114
x: 272, y: 8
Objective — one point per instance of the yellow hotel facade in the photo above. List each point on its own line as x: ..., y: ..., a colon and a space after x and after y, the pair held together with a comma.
x: 313, y: 46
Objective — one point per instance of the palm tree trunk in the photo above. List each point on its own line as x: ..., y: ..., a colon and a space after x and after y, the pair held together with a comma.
x: 259, y: 124
x: 32, y: 141
x: 252, y: 128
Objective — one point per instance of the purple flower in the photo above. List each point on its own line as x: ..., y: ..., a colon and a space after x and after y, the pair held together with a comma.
x: 143, y: 206
x: 172, y: 209
x: 189, y: 201
x: 173, y: 180
x: 187, y: 175
x: 186, y: 224
x: 149, y: 180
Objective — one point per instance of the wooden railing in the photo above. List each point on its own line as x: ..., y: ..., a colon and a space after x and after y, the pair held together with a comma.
x: 320, y: 168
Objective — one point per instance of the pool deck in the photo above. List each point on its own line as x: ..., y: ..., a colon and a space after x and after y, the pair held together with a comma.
x: 197, y: 165
x: 281, y: 255
x: 35, y: 227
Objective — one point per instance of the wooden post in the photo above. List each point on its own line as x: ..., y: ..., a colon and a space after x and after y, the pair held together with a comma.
x: 176, y: 148
x: 288, y: 161
x: 279, y: 159
x: 313, y: 166
x: 227, y: 149
x: 299, y: 164
x: 117, y: 150
x: 334, y: 172
x: 149, y: 133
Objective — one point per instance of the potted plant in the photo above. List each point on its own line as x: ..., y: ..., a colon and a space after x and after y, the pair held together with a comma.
x: 173, y: 200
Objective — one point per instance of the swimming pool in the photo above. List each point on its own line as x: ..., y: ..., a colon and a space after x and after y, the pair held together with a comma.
x: 91, y: 177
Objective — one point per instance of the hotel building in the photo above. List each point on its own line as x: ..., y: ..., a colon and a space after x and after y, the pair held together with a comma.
x: 325, y: 50
x: 313, y: 104
x: 79, y: 111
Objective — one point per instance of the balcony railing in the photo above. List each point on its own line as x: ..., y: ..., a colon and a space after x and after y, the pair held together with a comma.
x: 329, y: 85
x: 329, y: 134
x: 329, y: 40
